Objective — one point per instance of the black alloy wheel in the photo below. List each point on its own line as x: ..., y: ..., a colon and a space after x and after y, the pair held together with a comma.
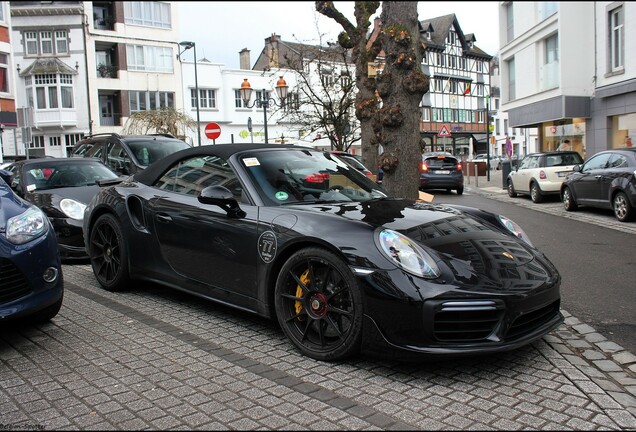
x: 511, y: 189
x: 319, y: 305
x: 568, y: 200
x: 108, y: 254
x: 623, y: 211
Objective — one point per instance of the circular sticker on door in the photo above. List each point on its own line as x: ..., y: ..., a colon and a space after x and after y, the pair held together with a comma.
x: 267, y: 246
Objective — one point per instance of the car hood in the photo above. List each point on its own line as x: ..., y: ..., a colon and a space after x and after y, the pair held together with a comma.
x: 470, y: 240
x: 47, y: 198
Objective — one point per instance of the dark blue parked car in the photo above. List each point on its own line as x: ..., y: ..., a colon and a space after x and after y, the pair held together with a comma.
x: 31, y: 281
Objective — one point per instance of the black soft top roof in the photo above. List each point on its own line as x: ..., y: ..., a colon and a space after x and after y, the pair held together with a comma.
x: 225, y: 151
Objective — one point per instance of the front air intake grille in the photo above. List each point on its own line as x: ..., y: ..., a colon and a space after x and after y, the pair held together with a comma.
x: 466, y: 321
x: 13, y: 284
x: 530, y: 321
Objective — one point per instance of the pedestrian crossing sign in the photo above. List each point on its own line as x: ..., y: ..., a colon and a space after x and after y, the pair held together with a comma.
x: 444, y: 132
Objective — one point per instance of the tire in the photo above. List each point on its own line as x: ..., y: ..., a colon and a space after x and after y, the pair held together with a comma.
x: 623, y: 211
x: 108, y: 254
x: 511, y: 189
x: 569, y: 204
x: 535, y: 193
x: 460, y: 190
x: 319, y: 305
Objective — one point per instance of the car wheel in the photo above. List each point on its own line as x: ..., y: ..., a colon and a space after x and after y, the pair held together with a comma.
x: 108, y: 254
x: 511, y: 189
x: 568, y: 200
x: 535, y: 193
x: 319, y: 305
x: 622, y: 209
x: 460, y: 190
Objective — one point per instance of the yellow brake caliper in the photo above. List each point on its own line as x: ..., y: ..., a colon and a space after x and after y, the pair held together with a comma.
x: 304, y: 278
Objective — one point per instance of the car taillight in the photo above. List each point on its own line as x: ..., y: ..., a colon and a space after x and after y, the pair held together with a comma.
x: 317, y: 178
x: 459, y: 167
x: 542, y: 175
x: 424, y: 167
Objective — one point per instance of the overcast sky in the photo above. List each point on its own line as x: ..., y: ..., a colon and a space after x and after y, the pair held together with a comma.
x: 220, y: 29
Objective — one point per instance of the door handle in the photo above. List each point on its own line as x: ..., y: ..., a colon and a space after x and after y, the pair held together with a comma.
x: 598, y: 176
x: 164, y: 218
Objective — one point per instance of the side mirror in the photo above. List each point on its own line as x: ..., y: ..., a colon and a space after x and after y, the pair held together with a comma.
x: 222, y: 197
x: 577, y: 168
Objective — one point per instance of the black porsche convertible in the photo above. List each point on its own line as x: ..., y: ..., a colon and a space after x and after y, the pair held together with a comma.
x: 297, y: 235
x: 61, y: 188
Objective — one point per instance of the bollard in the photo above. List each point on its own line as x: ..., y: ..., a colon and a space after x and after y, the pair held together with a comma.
x: 476, y: 176
x: 468, y: 172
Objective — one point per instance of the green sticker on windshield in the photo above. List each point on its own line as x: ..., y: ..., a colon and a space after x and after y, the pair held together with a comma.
x: 282, y: 196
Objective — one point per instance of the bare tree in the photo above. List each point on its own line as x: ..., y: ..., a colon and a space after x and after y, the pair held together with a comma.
x: 393, y: 121
x: 325, y: 99
x: 354, y: 37
x: 165, y: 120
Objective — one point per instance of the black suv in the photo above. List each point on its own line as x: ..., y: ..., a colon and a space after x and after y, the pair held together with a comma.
x: 127, y: 154
x: 441, y: 170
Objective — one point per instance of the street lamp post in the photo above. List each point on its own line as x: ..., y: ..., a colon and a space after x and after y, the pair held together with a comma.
x: 186, y: 46
x: 246, y: 95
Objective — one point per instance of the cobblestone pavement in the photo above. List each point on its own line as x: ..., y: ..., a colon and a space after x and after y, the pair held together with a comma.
x: 156, y: 359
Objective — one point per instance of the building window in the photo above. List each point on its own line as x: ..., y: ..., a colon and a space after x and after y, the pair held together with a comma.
x: 146, y: 13
x: 260, y: 96
x: 616, y: 39
x: 426, y: 114
x: 50, y: 89
x: 37, y: 141
x: 4, y: 68
x: 479, y: 65
x: 2, y: 11
x: 550, y: 67
x: 510, y: 22
x: 207, y: 98
x: 61, y: 42
x: 547, y: 8
x: 46, y: 43
x: 150, y: 101
x: 55, y: 141
x: 149, y: 58
x: 511, y: 80
x: 292, y: 102
x: 497, y: 127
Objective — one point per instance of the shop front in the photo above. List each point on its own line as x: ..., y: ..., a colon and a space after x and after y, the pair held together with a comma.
x: 563, y: 135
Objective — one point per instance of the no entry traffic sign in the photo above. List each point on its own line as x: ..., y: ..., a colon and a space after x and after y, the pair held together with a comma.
x: 212, y: 131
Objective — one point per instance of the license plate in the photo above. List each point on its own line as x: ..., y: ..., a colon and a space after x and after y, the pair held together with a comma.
x: 442, y: 172
x: 562, y: 173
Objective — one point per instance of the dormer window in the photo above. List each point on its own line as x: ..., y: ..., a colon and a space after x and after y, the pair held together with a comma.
x: 428, y: 35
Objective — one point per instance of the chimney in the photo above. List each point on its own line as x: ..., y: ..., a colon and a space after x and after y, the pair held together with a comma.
x: 272, y: 53
x: 244, y: 59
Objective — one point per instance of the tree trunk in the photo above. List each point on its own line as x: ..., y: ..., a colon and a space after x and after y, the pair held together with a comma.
x: 401, y: 87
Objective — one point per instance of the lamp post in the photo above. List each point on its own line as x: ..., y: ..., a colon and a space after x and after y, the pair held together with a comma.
x: 186, y: 46
x: 246, y: 95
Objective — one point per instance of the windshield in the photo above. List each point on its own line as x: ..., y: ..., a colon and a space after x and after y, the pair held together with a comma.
x: 293, y: 176
x: 70, y: 173
x: 151, y: 150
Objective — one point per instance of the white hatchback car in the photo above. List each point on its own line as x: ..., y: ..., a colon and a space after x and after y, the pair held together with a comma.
x: 541, y: 174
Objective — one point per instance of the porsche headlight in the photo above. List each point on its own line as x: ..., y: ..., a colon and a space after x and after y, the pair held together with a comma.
x: 407, y: 255
x: 26, y: 226
x: 72, y: 208
x: 515, y: 229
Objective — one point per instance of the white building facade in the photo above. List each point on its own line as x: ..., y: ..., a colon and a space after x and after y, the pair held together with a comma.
x: 220, y: 103
x: 82, y: 68
x: 567, y: 70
